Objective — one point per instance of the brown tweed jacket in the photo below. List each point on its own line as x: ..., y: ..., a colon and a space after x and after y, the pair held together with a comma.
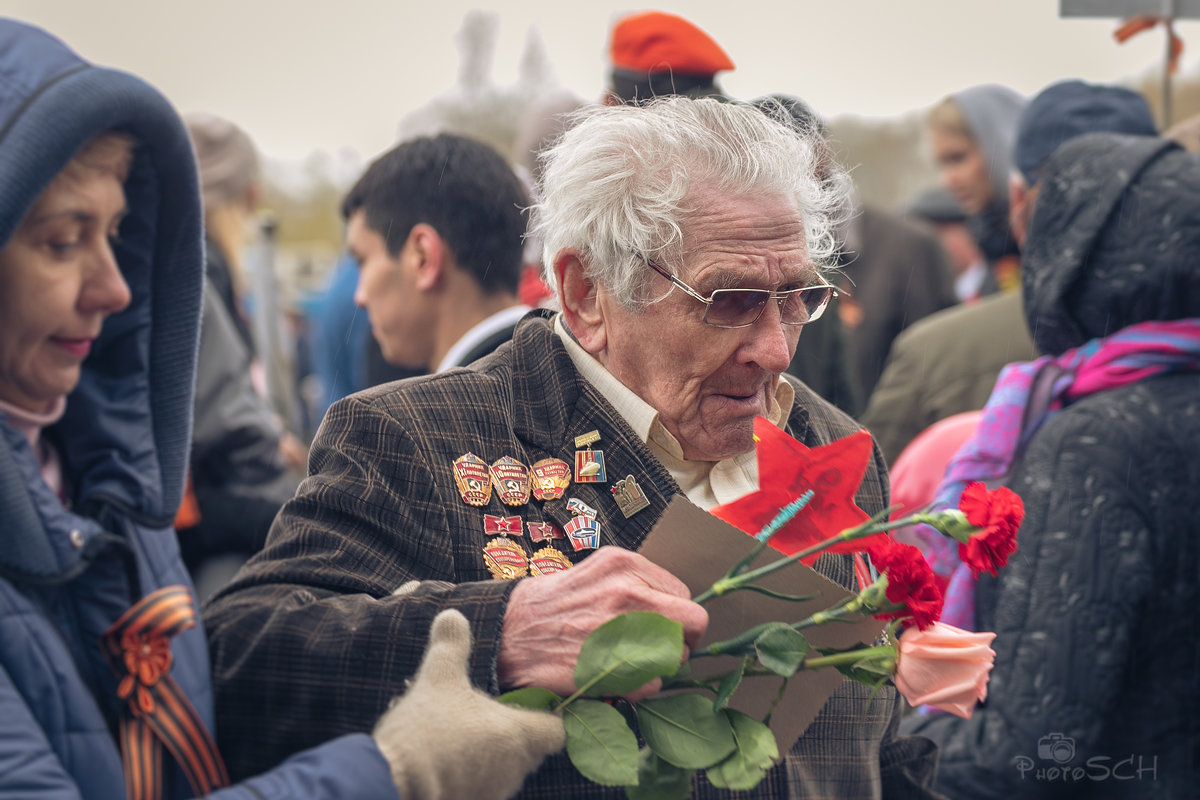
x: 309, y: 643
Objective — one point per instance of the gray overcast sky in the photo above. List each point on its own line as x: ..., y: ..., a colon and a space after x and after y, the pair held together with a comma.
x: 302, y: 75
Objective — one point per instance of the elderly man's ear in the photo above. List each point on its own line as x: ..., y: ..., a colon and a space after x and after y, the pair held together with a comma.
x: 581, y: 307
x: 425, y: 252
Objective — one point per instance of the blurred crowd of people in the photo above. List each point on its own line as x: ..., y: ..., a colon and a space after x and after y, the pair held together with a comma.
x: 1032, y: 321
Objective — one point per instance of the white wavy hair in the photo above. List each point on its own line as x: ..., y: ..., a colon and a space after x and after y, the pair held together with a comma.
x: 616, y: 185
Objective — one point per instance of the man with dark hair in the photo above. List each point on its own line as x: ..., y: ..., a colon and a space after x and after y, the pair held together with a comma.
x: 436, y: 225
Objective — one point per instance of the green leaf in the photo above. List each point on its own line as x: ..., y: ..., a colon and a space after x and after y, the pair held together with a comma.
x: 685, y: 730
x: 628, y: 652
x: 531, y: 697
x: 600, y: 744
x: 741, y: 644
x: 865, y: 672
x: 782, y: 650
x: 756, y: 753
x: 659, y: 780
x: 729, y: 685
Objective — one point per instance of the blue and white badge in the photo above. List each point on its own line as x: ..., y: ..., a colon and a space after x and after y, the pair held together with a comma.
x: 584, y: 533
x: 580, y: 508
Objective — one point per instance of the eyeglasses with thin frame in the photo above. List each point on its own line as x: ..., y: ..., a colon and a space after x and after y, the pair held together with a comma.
x: 740, y: 308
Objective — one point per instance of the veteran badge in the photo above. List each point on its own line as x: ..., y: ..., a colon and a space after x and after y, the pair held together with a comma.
x: 584, y: 533
x: 505, y: 559
x: 473, y: 480
x: 547, y: 561
x: 629, y: 496
x: 511, y: 479
x: 589, y: 463
x: 544, y: 531
x: 580, y: 508
x: 551, y: 477
x: 502, y: 526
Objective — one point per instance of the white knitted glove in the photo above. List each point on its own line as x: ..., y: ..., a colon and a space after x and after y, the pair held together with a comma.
x: 446, y: 740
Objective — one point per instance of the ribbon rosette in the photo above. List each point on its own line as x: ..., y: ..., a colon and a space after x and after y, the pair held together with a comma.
x: 147, y: 657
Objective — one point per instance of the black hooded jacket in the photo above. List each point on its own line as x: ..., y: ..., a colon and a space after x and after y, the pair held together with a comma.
x: 1094, y: 692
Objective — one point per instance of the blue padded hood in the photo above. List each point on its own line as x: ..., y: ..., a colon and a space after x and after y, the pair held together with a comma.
x: 129, y: 420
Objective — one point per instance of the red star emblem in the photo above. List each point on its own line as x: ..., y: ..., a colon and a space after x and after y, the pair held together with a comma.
x: 786, y: 470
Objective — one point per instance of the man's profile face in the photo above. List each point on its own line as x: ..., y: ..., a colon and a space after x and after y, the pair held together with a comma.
x: 386, y: 289
x: 708, y: 384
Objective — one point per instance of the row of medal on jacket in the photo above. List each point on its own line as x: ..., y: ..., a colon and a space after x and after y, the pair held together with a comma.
x: 547, y: 479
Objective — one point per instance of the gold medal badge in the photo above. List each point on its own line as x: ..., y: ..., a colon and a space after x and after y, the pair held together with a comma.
x: 505, y: 559
x: 548, y: 561
x: 551, y: 477
x: 472, y: 478
x: 511, y: 479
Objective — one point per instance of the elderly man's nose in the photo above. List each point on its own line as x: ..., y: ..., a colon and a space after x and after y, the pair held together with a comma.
x: 769, y: 343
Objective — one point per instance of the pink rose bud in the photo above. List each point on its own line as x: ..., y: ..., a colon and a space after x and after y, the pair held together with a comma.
x: 945, y: 667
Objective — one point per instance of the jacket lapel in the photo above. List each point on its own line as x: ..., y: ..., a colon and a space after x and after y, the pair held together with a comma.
x: 554, y: 404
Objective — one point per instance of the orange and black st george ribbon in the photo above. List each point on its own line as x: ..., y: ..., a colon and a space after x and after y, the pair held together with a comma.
x: 157, y: 715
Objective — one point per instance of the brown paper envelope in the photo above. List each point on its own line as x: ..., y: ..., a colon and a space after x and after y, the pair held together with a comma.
x: 699, y: 548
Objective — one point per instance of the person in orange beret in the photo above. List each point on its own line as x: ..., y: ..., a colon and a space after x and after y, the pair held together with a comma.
x: 655, y: 53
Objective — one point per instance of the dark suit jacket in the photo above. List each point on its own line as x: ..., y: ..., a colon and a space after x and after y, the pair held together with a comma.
x: 899, y: 274
x: 307, y: 642
x: 945, y: 364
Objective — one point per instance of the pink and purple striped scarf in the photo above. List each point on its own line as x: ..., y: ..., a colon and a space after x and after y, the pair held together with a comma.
x: 1025, y: 396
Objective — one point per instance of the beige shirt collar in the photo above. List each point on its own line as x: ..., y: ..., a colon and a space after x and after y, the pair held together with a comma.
x: 706, y: 483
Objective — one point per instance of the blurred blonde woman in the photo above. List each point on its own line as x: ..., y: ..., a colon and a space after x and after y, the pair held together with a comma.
x: 971, y: 134
x: 243, y: 464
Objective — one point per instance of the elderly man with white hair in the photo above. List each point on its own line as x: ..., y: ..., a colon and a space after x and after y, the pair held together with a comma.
x: 686, y: 240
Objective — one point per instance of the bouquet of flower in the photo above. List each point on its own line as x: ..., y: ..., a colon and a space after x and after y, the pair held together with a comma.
x: 691, y: 725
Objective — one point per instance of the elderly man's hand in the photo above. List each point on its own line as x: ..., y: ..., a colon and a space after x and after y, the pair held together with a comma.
x: 549, y: 617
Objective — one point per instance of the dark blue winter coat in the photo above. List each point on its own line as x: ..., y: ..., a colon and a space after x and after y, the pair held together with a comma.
x: 67, y: 573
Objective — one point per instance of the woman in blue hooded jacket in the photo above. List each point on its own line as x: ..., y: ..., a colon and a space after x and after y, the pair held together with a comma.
x: 104, y: 671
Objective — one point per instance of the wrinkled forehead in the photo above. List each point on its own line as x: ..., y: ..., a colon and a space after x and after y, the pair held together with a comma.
x: 727, y: 238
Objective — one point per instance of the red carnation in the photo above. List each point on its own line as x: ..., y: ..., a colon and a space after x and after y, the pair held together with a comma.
x: 998, y: 513
x: 910, y: 582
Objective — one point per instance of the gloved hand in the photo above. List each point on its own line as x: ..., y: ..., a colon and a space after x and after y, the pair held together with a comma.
x: 445, y: 739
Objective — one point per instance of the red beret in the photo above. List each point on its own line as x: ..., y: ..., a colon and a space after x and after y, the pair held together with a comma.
x: 657, y: 42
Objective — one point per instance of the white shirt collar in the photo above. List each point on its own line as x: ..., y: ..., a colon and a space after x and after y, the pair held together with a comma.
x: 483, y: 329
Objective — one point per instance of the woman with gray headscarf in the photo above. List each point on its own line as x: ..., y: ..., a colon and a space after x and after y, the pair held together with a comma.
x: 972, y: 133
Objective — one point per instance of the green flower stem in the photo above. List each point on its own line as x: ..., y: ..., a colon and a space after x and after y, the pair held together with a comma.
x: 951, y: 523
x: 670, y: 685
x: 580, y: 692
x: 785, y: 515
x: 876, y: 524
x: 849, y: 657
x: 851, y: 607
x: 738, y: 645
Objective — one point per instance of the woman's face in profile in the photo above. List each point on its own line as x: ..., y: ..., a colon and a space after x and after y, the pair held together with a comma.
x: 59, y: 281
x: 962, y: 169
